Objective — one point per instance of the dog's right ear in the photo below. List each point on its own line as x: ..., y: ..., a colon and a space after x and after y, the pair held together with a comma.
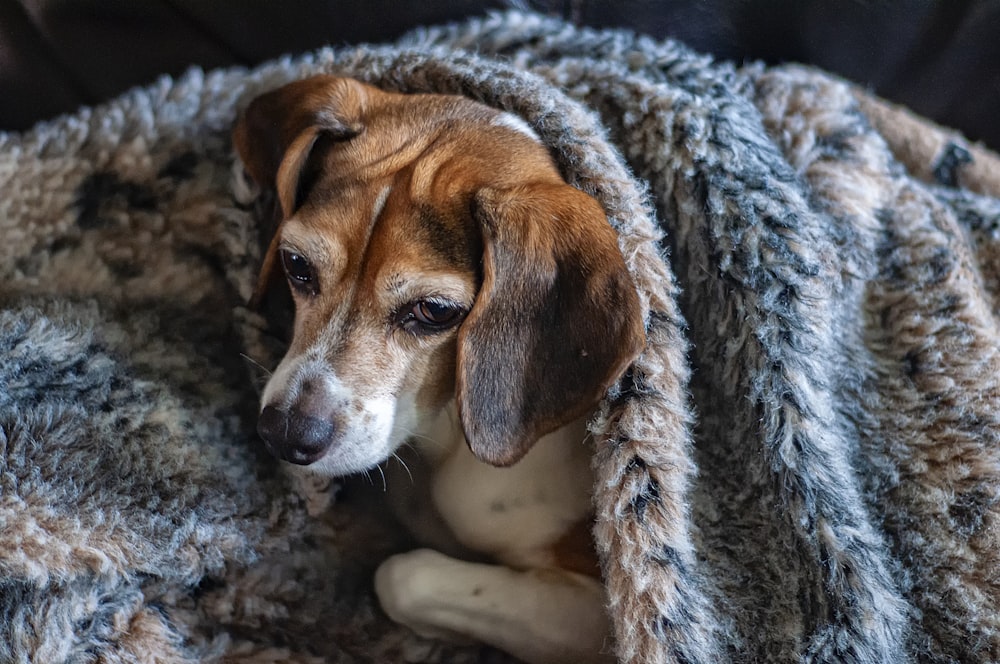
x: 277, y: 132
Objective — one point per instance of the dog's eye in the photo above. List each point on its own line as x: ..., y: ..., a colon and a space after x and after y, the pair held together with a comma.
x: 434, y: 313
x: 301, y: 274
x: 432, y: 316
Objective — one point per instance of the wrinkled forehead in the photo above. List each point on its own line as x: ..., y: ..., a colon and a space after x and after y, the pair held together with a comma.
x: 404, y: 187
x: 385, y: 225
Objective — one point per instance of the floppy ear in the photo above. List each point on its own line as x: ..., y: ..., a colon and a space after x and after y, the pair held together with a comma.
x: 555, y: 323
x: 277, y: 132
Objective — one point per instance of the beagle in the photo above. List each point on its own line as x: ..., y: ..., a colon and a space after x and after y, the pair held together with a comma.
x: 452, y: 293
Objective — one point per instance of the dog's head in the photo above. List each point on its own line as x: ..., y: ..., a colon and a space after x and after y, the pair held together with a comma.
x: 433, y: 253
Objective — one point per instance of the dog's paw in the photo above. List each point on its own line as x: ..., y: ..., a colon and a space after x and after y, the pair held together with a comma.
x: 409, y: 588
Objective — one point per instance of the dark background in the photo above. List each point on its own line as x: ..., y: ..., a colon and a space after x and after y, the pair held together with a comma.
x: 940, y: 58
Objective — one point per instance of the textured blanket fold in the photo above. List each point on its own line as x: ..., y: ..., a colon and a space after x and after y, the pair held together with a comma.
x: 802, y: 466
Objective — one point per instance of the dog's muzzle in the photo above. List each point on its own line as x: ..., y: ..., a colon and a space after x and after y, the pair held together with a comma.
x: 294, y: 436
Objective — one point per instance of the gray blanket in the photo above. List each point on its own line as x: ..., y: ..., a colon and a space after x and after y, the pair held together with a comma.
x: 802, y: 466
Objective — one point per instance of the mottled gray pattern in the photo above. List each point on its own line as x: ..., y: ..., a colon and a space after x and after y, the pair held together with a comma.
x: 802, y: 466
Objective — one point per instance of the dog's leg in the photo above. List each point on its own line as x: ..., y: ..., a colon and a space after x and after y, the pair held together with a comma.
x: 539, y: 616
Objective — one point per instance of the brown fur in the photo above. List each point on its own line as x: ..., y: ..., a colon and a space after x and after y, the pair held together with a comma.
x: 390, y: 202
x: 575, y: 552
x: 465, y: 192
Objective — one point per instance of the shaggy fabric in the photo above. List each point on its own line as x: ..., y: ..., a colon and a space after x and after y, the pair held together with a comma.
x: 802, y: 466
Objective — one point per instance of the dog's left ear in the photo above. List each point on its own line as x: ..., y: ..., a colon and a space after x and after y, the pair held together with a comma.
x: 277, y: 132
x: 556, y: 321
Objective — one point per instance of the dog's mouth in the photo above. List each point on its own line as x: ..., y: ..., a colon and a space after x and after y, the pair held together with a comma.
x: 341, y: 438
x: 294, y: 436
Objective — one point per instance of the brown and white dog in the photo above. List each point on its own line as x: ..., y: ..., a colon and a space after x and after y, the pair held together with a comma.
x: 453, y: 293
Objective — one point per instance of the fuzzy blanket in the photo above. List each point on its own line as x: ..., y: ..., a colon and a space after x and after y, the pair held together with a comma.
x: 804, y: 464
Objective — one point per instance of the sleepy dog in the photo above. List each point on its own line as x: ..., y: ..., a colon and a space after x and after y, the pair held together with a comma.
x: 452, y: 293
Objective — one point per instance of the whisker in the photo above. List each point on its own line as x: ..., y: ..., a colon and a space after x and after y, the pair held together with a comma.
x: 256, y: 364
x: 413, y: 434
x: 385, y: 487
x: 368, y: 476
x: 403, y: 464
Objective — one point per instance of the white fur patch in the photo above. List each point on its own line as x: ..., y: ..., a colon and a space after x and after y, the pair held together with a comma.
x: 516, y: 123
x: 243, y: 188
x: 383, y: 196
x: 370, y: 429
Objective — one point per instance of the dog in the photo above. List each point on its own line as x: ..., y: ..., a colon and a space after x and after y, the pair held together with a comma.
x: 453, y: 293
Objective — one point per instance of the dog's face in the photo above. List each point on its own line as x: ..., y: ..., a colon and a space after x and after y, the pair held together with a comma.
x: 433, y: 253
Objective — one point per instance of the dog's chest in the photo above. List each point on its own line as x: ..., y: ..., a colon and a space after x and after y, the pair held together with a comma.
x: 517, y: 514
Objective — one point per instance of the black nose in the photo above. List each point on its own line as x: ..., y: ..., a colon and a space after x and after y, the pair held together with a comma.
x: 293, y: 435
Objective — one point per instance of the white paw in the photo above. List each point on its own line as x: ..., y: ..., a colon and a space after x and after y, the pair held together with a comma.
x: 409, y: 588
